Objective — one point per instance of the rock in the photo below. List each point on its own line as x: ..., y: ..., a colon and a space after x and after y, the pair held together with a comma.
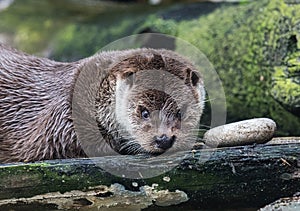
x: 259, y: 130
x: 292, y: 203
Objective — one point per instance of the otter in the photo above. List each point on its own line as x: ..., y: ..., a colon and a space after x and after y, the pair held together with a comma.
x: 137, y: 101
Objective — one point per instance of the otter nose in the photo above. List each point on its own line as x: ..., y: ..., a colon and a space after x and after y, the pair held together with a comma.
x: 164, y: 142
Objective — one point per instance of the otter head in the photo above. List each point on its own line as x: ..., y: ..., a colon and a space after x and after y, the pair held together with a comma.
x: 159, y: 102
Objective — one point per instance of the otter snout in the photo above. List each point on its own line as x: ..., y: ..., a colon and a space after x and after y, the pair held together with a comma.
x: 164, y: 142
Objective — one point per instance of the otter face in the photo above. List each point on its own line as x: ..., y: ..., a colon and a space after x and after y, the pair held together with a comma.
x: 157, y: 120
x: 160, y: 110
x: 162, y: 123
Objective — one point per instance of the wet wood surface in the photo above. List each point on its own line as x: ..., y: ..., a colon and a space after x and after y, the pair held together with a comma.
x: 253, y: 175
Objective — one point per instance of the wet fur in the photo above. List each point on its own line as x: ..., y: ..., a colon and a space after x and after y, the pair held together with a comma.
x: 36, y: 96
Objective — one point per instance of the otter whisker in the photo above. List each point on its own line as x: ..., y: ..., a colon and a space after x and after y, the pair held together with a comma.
x: 205, y: 126
x: 210, y: 100
x: 198, y: 129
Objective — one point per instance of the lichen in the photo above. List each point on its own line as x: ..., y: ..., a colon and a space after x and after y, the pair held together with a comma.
x: 103, y: 197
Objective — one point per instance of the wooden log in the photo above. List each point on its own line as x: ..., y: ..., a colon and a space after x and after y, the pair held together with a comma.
x: 234, y: 177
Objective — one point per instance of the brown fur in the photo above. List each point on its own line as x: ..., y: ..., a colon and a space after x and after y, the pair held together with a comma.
x: 36, y: 94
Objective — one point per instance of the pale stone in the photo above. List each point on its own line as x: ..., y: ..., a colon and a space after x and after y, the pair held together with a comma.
x: 259, y: 130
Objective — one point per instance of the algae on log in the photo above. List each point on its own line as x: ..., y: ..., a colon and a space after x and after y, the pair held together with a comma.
x: 227, y: 177
x: 254, y: 48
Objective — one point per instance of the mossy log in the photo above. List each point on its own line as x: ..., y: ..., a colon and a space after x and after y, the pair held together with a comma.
x: 235, y: 177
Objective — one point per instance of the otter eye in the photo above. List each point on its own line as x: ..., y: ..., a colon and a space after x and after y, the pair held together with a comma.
x: 145, y: 114
x: 178, y: 115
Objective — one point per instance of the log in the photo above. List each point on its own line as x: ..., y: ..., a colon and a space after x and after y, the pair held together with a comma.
x: 234, y: 177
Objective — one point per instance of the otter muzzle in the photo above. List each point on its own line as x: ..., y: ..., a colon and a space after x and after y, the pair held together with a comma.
x: 164, y: 142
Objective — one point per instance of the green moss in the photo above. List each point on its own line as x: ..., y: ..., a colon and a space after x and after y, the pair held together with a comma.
x: 286, y: 82
x: 43, y: 177
x: 154, y: 24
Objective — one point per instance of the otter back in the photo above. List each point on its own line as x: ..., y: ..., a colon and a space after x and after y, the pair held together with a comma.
x: 35, y: 115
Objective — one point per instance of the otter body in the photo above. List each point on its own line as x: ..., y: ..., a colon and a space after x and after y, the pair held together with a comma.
x: 117, y: 92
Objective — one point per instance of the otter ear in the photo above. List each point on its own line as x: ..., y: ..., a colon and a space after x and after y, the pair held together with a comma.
x: 192, y: 77
x: 128, y: 76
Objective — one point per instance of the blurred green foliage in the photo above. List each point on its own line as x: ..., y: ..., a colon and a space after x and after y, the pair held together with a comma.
x: 253, y: 46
